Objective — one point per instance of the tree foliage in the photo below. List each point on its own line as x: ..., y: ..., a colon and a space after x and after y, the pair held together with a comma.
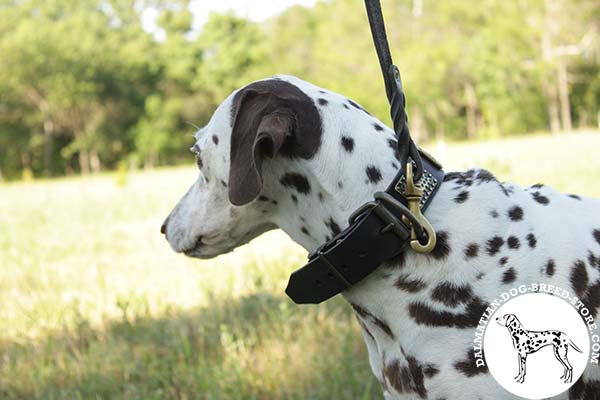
x: 84, y: 87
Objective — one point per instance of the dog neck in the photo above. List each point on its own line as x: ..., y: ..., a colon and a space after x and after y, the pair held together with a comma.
x: 356, y: 160
x: 359, y: 158
x: 321, y: 201
x: 514, y: 328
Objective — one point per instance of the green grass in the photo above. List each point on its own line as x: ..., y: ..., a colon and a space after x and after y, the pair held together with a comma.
x: 94, y: 304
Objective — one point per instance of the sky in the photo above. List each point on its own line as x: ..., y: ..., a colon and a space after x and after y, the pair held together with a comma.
x: 256, y: 10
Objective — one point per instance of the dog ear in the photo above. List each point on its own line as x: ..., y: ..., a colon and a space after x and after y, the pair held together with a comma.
x: 258, y: 132
x: 268, y: 118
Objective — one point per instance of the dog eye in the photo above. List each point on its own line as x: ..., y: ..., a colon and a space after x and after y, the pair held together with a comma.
x: 196, y: 150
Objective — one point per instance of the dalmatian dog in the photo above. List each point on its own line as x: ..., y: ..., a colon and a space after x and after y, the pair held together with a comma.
x: 527, y: 342
x: 282, y: 152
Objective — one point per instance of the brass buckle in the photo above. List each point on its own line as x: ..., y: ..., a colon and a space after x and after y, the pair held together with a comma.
x: 413, y: 197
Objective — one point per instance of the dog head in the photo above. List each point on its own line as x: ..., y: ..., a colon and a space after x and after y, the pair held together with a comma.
x: 508, y: 320
x: 263, y: 122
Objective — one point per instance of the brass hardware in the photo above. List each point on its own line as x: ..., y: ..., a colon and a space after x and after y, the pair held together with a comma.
x: 413, y: 196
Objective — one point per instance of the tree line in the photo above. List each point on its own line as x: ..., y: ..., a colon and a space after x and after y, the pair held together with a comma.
x: 83, y: 87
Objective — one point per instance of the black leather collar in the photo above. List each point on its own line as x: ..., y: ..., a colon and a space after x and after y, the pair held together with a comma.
x: 377, y: 231
x: 374, y: 236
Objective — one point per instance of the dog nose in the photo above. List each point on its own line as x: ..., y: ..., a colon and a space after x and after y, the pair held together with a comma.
x: 163, y: 227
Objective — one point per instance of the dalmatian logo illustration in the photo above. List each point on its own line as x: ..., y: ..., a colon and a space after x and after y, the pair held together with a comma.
x: 528, y: 342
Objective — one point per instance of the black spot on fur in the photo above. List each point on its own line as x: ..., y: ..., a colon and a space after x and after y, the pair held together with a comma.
x: 594, y: 260
x: 462, y: 197
x: 405, y: 379
x: 430, y: 370
x: 515, y: 213
x: 263, y: 198
x: 294, y: 199
x: 296, y: 181
x: 320, y: 196
x: 373, y: 174
x: 223, y: 183
x: 451, y: 294
x: 574, y: 196
x: 579, y: 278
x: 215, y: 139
x: 333, y: 226
x: 538, y: 186
x: 340, y: 185
x: 346, y: 106
x: 360, y: 310
x: 424, y: 314
x: 472, y: 250
x: 509, y: 276
x: 441, y: 249
x: 377, y: 127
x: 494, y: 214
x: 494, y: 245
x: 596, y: 234
x: 381, y: 324
x: 305, y: 231
x: 365, y: 329
x: 540, y: 198
x: 348, y: 143
x: 409, y: 285
x: 451, y: 176
x: 550, y: 267
x: 466, y: 178
x: 355, y: 105
x: 394, y: 146
x: 531, y: 240
x: 506, y: 190
x: 486, y: 176
x: 469, y: 367
x: 503, y: 261
x: 323, y: 102
x: 513, y: 242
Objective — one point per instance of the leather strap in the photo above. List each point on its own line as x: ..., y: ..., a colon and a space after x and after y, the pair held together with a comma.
x: 377, y: 26
x: 393, y: 88
x: 363, y: 246
x: 376, y: 232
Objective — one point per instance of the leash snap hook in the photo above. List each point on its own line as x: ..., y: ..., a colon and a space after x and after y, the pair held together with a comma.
x: 413, y: 196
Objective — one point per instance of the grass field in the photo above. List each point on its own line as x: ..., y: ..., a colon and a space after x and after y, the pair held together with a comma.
x: 95, y: 305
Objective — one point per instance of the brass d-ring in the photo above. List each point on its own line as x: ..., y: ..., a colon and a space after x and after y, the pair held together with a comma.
x: 413, y: 197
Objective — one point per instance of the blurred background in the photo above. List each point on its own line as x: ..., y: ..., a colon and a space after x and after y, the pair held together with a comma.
x: 98, y: 103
